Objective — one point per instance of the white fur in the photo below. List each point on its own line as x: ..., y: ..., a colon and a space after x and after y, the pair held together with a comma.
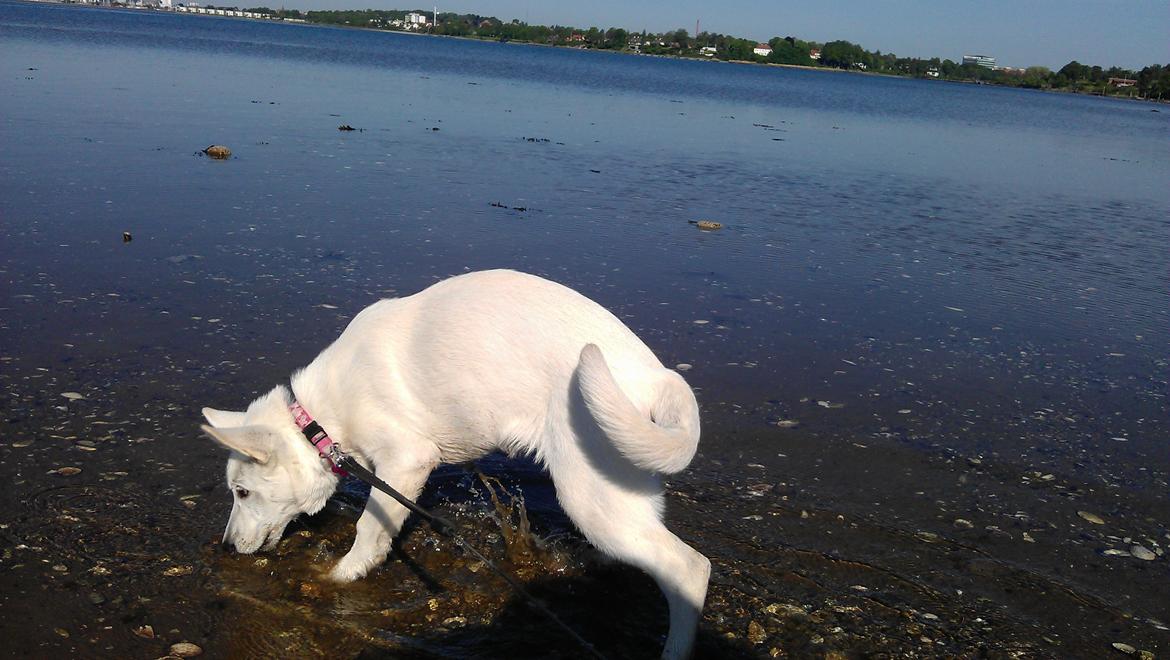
x: 479, y: 362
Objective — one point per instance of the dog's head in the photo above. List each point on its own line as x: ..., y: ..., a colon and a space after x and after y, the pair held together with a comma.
x: 273, y: 473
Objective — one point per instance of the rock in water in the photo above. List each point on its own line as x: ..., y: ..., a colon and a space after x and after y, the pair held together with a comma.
x: 707, y: 225
x: 218, y: 152
x: 185, y: 650
x: 1091, y: 517
x: 145, y: 632
x: 1143, y: 553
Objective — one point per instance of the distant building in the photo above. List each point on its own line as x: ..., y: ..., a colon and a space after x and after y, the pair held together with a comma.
x: 985, y: 61
x: 763, y: 50
x: 416, y: 19
x: 707, y: 51
x: 1122, y: 82
x: 814, y: 53
x: 576, y: 37
x: 932, y: 72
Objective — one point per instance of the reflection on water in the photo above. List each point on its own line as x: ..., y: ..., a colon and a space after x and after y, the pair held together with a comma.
x: 969, y: 282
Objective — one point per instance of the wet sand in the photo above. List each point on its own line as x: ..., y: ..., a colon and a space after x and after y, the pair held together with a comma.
x: 821, y: 548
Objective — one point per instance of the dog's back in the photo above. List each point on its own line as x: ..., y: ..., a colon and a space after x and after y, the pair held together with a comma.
x: 483, y: 360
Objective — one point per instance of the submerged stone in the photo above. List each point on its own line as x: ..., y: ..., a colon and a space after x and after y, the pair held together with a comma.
x: 218, y: 152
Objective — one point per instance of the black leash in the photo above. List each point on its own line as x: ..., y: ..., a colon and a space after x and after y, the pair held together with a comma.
x: 448, y: 529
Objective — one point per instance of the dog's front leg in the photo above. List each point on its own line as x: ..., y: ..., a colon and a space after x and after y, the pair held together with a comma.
x: 383, y: 517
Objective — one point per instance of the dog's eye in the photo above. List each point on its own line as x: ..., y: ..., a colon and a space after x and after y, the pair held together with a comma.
x: 242, y: 493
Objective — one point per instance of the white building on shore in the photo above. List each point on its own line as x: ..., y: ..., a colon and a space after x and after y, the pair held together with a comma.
x: 985, y: 61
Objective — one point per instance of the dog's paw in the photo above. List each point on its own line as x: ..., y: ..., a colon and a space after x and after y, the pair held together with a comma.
x: 348, y: 570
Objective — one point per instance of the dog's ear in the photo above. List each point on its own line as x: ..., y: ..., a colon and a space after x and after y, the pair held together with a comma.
x: 223, y: 419
x: 255, y: 442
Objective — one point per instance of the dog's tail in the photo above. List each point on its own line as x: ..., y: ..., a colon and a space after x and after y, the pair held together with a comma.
x: 663, y: 442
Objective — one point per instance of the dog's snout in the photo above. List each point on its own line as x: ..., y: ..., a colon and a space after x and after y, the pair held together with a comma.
x: 227, y: 546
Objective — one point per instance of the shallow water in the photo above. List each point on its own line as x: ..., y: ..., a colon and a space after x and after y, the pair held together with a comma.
x: 953, y: 297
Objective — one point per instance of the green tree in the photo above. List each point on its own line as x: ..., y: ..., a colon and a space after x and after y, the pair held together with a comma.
x: 842, y: 54
x: 789, y: 51
x: 616, y: 38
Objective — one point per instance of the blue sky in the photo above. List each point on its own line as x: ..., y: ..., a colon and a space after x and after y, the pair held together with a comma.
x: 1129, y: 33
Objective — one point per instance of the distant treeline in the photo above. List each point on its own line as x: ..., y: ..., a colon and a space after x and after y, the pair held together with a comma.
x: 1152, y: 82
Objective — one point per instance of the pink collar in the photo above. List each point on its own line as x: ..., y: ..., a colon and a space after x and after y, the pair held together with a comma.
x: 317, y: 436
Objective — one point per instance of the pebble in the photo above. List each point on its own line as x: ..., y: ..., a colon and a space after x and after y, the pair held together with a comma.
x: 96, y: 598
x: 756, y: 633
x: 784, y: 609
x: 707, y: 225
x: 185, y: 650
x: 66, y: 471
x: 1143, y: 553
x: 455, y: 621
x: 1124, y: 648
x: 929, y: 537
x: 178, y: 571
x: 218, y: 152
x: 145, y: 632
x: 72, y: 396
x: 1091, y: 517
x: 682, y: 366
x: 787, y: 423
x: 960, y: 523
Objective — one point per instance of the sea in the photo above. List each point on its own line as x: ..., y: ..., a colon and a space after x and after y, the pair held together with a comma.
x: 929, y: 339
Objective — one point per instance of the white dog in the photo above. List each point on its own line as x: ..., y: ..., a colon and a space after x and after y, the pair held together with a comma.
x: 479, y: 362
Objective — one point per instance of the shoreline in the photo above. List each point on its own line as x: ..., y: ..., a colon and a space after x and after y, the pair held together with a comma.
x: 602, y: 50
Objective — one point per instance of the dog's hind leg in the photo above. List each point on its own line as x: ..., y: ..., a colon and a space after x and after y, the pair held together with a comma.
x: 628, y: 527
x: 680, y: 571
x: 383, y: 517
